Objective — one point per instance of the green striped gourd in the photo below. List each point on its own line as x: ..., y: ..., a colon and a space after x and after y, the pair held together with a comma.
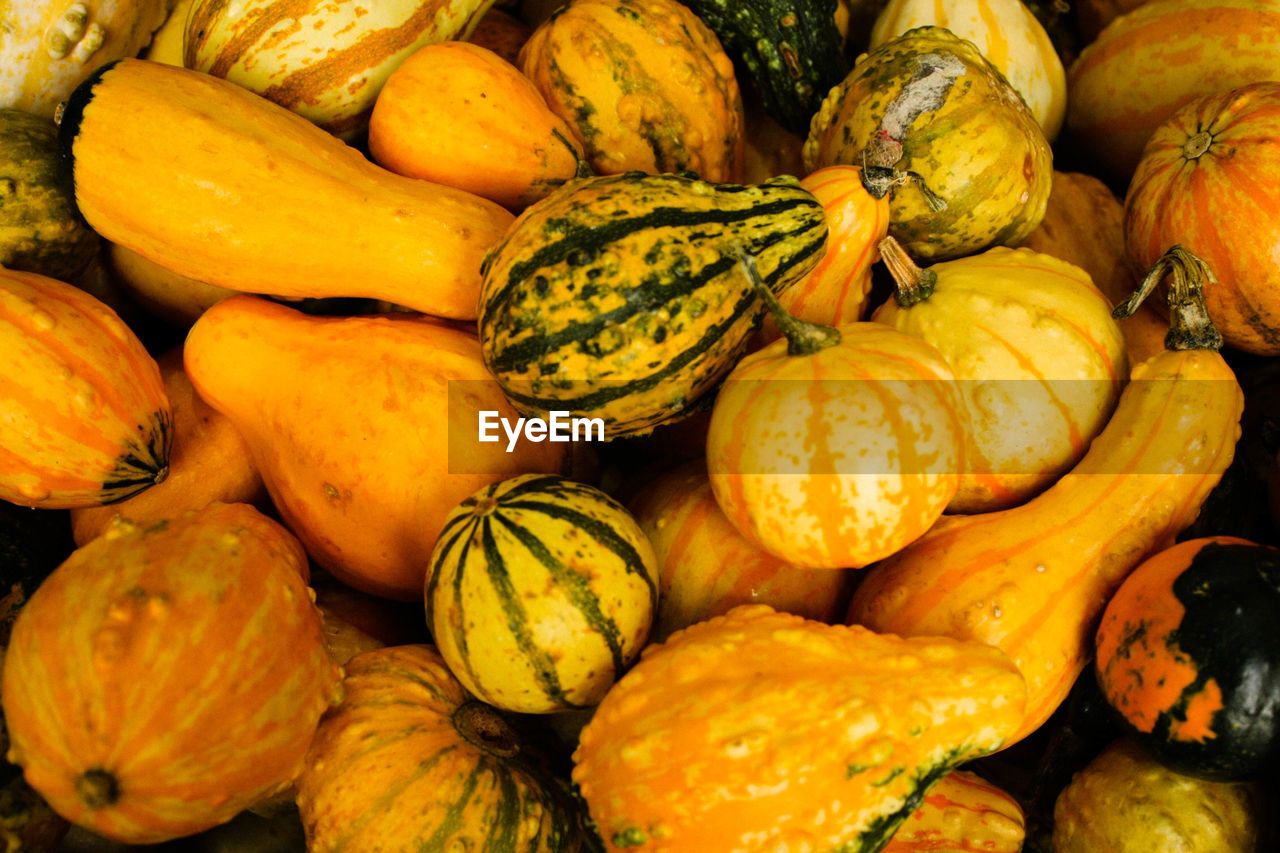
x: 622, y: 297
x: 540, y: 592
x: 324, y: 59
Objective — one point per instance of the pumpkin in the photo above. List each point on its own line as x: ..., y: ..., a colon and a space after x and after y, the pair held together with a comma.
x: 1084, y: 225
x: 364, y: 429
x: 643, y: 84
x: 792, y: 53
x: 1203, y: 183
x: 1186, y: 656
x: 961, y: 814
x: 760, y: 730
x: 1038, y: 359
x: 1033, y: 579
x: 167, y: 676
x: 409, y: 760
x: 620, y: 297
x: 85, y: 419
x: 460, y: 115
x: 501, y: 32
x: 835, y: 447
x: 1149, y: 62
x: 707, y: 568
x: 1123, y: 801
x: 836, y: 290
x: 240, y: 193
x: 52, y: 45
x: 209, y: 461
x: 323, y: 59
x: 932, y: 120
x: 1008, y: 35
x: 540, y: 592
x: 40, y: 230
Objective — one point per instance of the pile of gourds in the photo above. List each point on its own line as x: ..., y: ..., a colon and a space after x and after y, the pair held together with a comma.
x: 929, y: 350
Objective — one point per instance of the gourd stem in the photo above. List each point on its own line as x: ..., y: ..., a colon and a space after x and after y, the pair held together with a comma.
x: 98, y: 789
x: 1189, y: 324
x: 803, y: 337
x: 915, y: 284
x: 482, y: 726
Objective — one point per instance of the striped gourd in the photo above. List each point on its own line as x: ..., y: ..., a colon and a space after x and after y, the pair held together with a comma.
x: 621, y: 297
x: 410, y: 761
x: 540, y: 592
x: 324, y: 59
x: 963, y: 813
x: 1147, y: 63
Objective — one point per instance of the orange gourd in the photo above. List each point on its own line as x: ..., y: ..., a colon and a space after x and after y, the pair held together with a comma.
x: 963, y: 813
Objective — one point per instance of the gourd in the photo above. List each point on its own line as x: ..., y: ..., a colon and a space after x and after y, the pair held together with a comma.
x: 166, y: 44
x: 209, y: 461
x: 40, y: 230
x: 763, y: 730
x: 644, y: 85
x: 962, y: 813
x: 51, y: 45
x: 364, y: 430
x: 501, y: 32
x: 1126, y: 802
x: 410, y: 760
x: 85, y: 419
x: 1186, y: 655
x: 1201, y: 183
x: 620, y: 297
x: 930, y: 119
x: 172, y: 298
x: 166, y: 677
x: 835, y: 447
x: 707, y: 568
x: 1094, y: 15
x: 540, y: 593
x: 791, y: 53
x: 1039, y: 362
x: 1008, y: 35
x: 323, y: 59
x: 1146, y: 64
x: 460, y: 115
x: 240, y: 193
x: 1033, y: 579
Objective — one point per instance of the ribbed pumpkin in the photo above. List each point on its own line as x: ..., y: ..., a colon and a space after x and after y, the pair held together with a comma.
x: 166, y: 677
x: 707, y: 568
x: 410, y: 761
x: 644, y: 85
x: 621, y: 297
x: 1039, y: 362
x: 540, y: 592
x: 1206, y: 182
x: 1149, y: 62
x: 963, y: 813
x: 1033, y: 579
x: 324, y: 59
x: 967, y: 163
x: 836, y: 447
x: 85, y: 419
x: 1008, y: 35
x: 760, y: 730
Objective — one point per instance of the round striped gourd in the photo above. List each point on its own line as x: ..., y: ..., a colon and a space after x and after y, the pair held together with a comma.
x: 621, y: 298
x: 410, y: 761
x: 1205, y: 182
x: 963, y: 813
x: 1008, y: 35
x: 84, y: 419
x: 540, y: 592
x: 324, y: 59
x: 1149, y: 62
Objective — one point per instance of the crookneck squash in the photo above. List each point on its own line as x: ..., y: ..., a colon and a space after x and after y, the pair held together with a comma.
x: 540, y: 592
x: 84, y: 419
x: 1033, y: 579
x: 217, y: 184
x: 165, y: 677
x: 621, y: 297
x: 1188, y: 655
x: 410, y: 761
x: 760, y: 730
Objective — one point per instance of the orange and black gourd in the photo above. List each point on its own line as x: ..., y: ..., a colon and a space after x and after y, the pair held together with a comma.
x: 1189, y: 656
